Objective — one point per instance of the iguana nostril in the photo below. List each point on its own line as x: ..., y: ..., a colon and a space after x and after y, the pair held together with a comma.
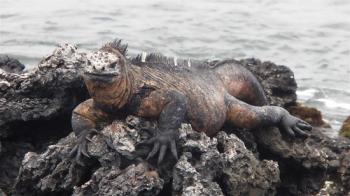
x: 94, y: 67
x: 103, y: 68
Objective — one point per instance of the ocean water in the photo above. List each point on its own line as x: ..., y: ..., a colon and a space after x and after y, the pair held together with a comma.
x: 311, y: 37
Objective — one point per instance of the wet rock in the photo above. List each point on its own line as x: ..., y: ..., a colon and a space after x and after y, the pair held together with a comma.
x: 11, y: 65
x: 345, y: 129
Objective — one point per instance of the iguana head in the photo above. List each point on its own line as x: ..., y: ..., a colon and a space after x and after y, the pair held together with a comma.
x: 104, y: 66
x: 106, y: 75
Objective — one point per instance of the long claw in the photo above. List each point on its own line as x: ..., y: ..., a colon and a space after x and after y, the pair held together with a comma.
x: 109, y: 142
x: 107, y: 139
x: 162, y: 151
x: 300, y: 132
x: 78, y: 159
x: 80, y: 149
x: 173, y: 149
x: 150, y: 141
x: 302, y: 121
x: 83, y: 149
x: 89, y: 139
x: 154, y: 150
x: 304, y: 126
x: 289, y: 131
x: 73, y: 151
x: 95, y: 131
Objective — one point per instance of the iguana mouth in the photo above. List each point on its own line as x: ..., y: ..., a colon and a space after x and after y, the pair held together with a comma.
x: 103, y: 77
x: 108, y: 74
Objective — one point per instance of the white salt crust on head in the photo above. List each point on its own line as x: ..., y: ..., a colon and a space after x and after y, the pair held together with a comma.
x: 101, y: 58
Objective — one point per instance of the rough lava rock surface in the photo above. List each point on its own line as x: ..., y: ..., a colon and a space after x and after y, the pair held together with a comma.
x: 10, y: 64
x: 207, y: 166
x: 46, y: 92
x: 35, y: 126
x: 36, y: 105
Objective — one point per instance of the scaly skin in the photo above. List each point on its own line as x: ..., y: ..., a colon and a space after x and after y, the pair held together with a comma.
x: 204, y: 95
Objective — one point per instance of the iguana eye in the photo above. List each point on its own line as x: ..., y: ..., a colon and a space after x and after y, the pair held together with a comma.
x: 112, y: 65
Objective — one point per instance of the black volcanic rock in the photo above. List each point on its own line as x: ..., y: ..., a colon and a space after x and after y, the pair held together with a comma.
x: 35, y: 124
x: 10, y: 64
x: 35, y: 107
x: 48, y: 91
x: 207, y: 166
x: 277, y: 80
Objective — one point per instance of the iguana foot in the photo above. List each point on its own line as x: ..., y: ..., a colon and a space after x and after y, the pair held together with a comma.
x: 294, y: 126
x: 80, y: 149
x: 161, y: 142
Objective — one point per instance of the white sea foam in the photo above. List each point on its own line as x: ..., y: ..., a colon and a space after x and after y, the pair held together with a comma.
x: 306, y: 94
x: 329, y: 103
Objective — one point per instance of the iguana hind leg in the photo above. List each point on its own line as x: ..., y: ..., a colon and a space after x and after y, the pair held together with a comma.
x: 243, y: 115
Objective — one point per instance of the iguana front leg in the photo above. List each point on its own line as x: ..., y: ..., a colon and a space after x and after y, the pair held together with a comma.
x: 243, y: 115
x: 171, y: 116
x: 85, y: 118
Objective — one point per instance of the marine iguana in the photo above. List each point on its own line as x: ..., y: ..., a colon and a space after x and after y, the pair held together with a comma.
x: 206, y: 95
